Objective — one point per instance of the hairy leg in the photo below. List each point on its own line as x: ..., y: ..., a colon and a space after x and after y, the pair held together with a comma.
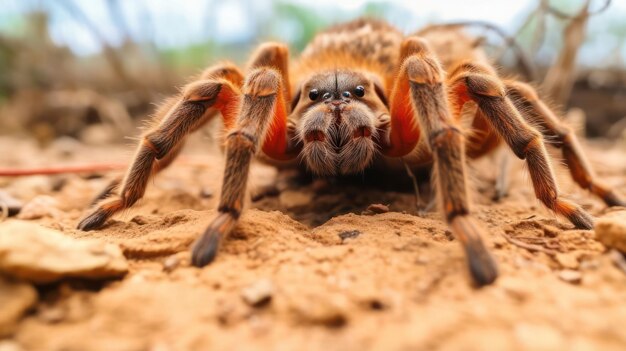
x: 527, y: 100
x: 261, y: 124
x: 422, y: 77
x: 488, y: 92
x: 190, y: 111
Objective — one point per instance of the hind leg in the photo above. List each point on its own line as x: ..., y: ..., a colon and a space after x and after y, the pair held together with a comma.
x: 528, y: 101
x: 487, y: 91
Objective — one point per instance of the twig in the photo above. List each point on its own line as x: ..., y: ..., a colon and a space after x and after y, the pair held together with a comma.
x: 416, y: 189
x: 529, y: 247
x: 562, y: 15
x: 110, y: 53
x: 560, y: 77
x: 524, y: 63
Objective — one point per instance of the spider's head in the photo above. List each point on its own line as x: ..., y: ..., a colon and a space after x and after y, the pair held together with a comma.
x: 337, y: 113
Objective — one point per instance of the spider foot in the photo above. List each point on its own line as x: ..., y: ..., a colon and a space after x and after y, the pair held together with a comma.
x: 205, y: 248
x: 482, y: 266
x: 579, y: 217
x: 93, y: 221
x: 98, y: 217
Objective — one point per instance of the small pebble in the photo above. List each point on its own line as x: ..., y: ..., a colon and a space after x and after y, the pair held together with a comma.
x: 567, y: 260
x: 349, y: 234
x: 259, y: 293
x: 551, y: 231
x: 13, y: 205
x: 570, y: 276
x: 611, y: 231
x: 171, y: 263
x: 40, y: 206
x: 206, y: 193
x: 377, y: 208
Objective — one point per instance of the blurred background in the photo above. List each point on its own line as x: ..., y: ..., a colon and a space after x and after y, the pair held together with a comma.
x: 92, y: 69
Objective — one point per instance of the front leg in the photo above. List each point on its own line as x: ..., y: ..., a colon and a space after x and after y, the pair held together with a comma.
x: 419, y: 102
x: 179, y: 117
x: 261, y: 124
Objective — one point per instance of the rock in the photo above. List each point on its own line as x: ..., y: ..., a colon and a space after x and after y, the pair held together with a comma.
x: 171, y: 263
x: 292, y: 199
x: 611, y: 230
x: 349, y: 234
x: 206, y: 193
x: 12, y: 204
x: 10, y: 345
x: 551, y: 231
x: 259, y: 293
x: 31, y: 252
x: 375, y: 209
x: 570, y: 276
x: 39, y: 207
x: 15, y: 299
x: 567, y: 260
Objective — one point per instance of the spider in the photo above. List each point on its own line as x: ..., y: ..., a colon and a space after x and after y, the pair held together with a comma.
x: 362, y: 95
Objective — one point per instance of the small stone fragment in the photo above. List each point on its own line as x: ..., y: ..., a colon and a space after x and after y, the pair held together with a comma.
x: 206, y: 193
x: 141, y: 220
x: 570, y: 276
x: 611, y: 231
x: 567, y: 260
x: 15, y: 299
x: 259, y: 293
x: 12, y: 204
x: 39, y: 207
x: 10, y: 345
x: 171, y: 263
x: 34, y: 253
x: 349, y: 234
x: 375, y: 209
x: 551, y: 231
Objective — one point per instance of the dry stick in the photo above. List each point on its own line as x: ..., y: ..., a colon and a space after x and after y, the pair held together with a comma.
x: 562, y: 15
x: 109, y: 52
x: 524, y: 63
x: 529, y: 247
x: 560, y: 77
x: 418, y: 198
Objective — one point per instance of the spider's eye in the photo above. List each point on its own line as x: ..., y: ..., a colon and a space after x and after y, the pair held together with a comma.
x: 327, y: 96
x: 346, y: 94
x: 314, y: 94
x: 359, y: 91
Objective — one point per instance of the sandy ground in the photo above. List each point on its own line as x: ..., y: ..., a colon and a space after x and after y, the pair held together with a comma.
x: 335, y: 279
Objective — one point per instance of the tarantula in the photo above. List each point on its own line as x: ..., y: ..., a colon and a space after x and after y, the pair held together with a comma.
x: 363, y: 95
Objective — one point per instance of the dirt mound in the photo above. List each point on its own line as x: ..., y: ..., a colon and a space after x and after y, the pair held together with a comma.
x: 289, y: 278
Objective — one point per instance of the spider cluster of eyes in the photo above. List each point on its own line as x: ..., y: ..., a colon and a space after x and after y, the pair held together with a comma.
x: 359, y: 91
x: 338, y: 132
